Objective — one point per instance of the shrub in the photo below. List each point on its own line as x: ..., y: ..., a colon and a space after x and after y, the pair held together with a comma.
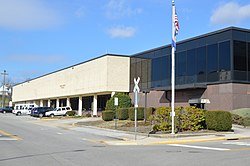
x: 237, y: 119
x: 247, y: 121
x: 108, y: 115
x: 122, y: 113
x: 124, y: 101
x: 241, y: 116
x: 140, y: 113
x: 188, y: 118
x: 219, y: 120
x: 162, y: 119
x: 70, y: 113
x: 149, y: 112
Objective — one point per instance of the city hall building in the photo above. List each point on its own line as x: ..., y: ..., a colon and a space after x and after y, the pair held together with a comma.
x: 212, y: 72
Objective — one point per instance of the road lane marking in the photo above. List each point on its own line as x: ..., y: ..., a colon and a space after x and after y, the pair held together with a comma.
x: 237, y: 143
x: 10, y: 135
x: 199, y: 147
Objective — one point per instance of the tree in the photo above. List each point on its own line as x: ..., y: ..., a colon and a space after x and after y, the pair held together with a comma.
x: 124, y: 101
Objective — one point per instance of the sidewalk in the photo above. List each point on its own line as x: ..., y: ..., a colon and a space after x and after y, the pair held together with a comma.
x: 130, y: 138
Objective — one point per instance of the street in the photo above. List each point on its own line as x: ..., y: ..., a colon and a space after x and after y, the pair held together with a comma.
x: 28, y: 141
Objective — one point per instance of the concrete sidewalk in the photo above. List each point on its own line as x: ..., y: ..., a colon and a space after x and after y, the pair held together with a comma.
x: 130, y: 138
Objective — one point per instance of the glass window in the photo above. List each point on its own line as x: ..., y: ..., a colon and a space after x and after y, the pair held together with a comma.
x: 227, y: 35
x: 212, y: 58
x: 191, y: 62
x: 249, y: 57
x: 201, y: 64
x: 166, y: 51
x: 138, y: 68
x: 181, y: 64
x: 181, y: 47
x: 156, y: 69
x: 240, y: 60
x: 157, y: 54
x: 144, y: 73
x: 239, y: 35
x: 248, y: 37
x: 224, y: 56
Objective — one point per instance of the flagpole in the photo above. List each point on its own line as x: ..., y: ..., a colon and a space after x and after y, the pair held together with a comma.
x: 173, y: 68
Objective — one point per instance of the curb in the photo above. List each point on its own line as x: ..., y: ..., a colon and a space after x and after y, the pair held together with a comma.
x: 136, y: 142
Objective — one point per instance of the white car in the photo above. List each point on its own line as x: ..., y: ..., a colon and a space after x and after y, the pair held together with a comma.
x: 60, y: 111
x: 23, y: 111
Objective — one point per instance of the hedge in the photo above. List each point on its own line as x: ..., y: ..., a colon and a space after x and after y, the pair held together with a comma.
x: 108, y: 115
x: 122, y: 113
x: 219, y: 120
x: 140, y: 113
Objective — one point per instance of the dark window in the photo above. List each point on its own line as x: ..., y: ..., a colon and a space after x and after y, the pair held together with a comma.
x: 144, y: 76
x: 138, y: 68
x: 201, y: 64
x: 249, y: 57
x: 248, y: 61
x: 224, y: 56
x: 248, y: 37
x: 165, y: 70
x: 156, y: 69
x: 239, y: 35
x: 240, y: 60
x: 181, y: 63
x: 212, y: 63
x: 212, y: 58
x: 191, y: 62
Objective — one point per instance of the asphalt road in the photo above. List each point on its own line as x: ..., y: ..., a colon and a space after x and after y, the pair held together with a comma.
x: 26, y: 141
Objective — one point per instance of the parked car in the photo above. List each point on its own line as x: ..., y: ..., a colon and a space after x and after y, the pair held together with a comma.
x: 40, y: 111
x: 23, y: 109
x: 60, y: 111
x: 6, y: 109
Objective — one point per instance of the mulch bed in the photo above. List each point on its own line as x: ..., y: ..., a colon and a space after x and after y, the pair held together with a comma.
x: 124, y: 125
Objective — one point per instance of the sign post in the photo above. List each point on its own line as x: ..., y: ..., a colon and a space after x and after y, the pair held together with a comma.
x: 116, y: 104
x: 136, y: 91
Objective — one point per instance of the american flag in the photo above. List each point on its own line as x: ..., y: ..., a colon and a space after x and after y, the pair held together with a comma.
x: 176, y: 23
x: 176, y: 26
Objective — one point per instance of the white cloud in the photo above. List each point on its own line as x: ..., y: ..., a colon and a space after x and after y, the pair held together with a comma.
x: 116, y: 9
x: 36, y: 58
x: 27, y: 15
x: 122, y: 32
x: 230, y: 13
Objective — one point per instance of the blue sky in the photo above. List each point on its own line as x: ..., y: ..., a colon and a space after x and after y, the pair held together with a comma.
x: 41, y: 36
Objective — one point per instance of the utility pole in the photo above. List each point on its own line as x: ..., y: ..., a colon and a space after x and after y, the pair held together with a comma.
x: 3, y: 92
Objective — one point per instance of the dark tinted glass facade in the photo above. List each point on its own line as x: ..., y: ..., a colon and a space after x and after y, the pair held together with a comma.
x: 217, y: 57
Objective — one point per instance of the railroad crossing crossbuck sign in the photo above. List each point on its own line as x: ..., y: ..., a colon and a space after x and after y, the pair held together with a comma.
x: 136, y: 87
x: 136, y: 90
